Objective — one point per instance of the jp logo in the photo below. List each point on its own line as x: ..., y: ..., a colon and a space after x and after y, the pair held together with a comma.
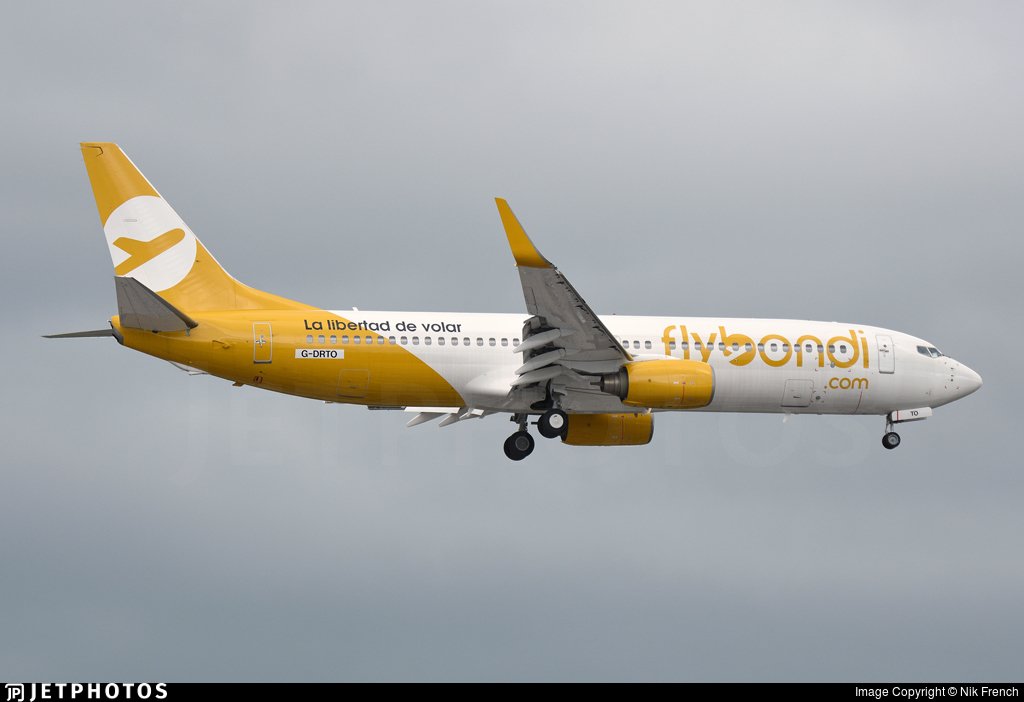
x: 149, y: 242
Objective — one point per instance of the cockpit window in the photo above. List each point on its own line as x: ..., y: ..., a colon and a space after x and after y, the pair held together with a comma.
x: 929, y: 351
x: 934, y: 352
x: 923, y: 350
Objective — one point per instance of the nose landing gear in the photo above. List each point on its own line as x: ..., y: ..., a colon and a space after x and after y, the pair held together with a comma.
x: 890, y: 440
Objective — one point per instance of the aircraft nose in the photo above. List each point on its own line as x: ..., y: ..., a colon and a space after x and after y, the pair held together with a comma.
x: 969, y: 380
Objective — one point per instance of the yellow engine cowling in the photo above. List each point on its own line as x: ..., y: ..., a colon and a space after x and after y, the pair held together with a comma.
x: 662, y: 384
x: 609, y: 429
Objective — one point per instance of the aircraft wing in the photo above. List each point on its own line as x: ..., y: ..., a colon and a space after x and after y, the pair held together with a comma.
x: 563, y: 335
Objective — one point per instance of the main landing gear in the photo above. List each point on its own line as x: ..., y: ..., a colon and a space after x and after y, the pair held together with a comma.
x: 519, y: 445
x: 551, y: 425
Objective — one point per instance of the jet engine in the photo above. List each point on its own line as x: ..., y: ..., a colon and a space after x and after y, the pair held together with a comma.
x: 672, y: 383
x: 609, y: 429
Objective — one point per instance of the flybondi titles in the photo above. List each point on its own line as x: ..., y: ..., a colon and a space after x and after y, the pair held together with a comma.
x: 774, y: 350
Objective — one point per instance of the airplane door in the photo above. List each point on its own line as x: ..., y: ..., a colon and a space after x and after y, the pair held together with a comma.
x: 797, y: 393
x: 886, y: 354
x: 262, y: 342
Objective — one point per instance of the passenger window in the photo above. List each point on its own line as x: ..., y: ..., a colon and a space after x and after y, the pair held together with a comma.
x: 735, y: 346
x: 369, y: 340
x: 810, y: 348
x: 820, y: 349
x: 479, y: 341
x: 404, y: 340
x: 455, y: 341
x: 636, y: 345
x: 504, y: 341
x: 647, y: 344
x: 749, y: 347
x: 415, y: 341
x: 321, y: 339
x: 440, y: 341
x: 356, y: 339
x: 391, y: 340
x: 515, y: 342
x: 426, y: 340
x: 760, y: 347
x: 309, y: 338
x: 334, y: 338
x: 625, y: 344
x: 344, y: 338
x: 832, y: 348
x: 465, y: 341
x: 774, y: 346
x: 491, y: 342
x: 721, y: 346
x: 785, y: 347
x: 685, y: 346
x: 672, y: 345
x: 380, y: 341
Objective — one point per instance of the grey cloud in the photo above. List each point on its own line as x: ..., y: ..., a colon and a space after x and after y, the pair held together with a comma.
x: 838, y: 161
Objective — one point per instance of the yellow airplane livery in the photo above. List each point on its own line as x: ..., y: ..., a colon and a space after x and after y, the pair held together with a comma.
x: 576, y: 376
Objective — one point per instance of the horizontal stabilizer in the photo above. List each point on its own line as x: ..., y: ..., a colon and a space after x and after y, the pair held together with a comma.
x: 141, y: 308
x: 82, y: 334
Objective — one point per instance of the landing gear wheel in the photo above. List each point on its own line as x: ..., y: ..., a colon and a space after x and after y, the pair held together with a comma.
x: 891, y: 440
x: 552, y: 424
x: 519, y: 446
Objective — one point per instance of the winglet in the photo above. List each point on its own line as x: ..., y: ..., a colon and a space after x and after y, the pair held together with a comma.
x: 525, y: 253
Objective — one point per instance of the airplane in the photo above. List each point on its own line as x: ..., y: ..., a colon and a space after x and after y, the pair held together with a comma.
x: 585, y: 379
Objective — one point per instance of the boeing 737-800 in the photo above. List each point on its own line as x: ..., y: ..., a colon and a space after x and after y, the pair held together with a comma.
x: 586, y: 379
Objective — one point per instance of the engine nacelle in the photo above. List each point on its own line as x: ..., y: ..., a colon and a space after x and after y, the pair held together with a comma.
x: 663, y: 384
x: 609, y: 429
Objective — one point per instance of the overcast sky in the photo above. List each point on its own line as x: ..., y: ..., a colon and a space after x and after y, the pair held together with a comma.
x: 856, y: 161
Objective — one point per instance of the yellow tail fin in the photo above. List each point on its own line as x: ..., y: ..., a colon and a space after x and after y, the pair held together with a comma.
x: 149, y: 242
